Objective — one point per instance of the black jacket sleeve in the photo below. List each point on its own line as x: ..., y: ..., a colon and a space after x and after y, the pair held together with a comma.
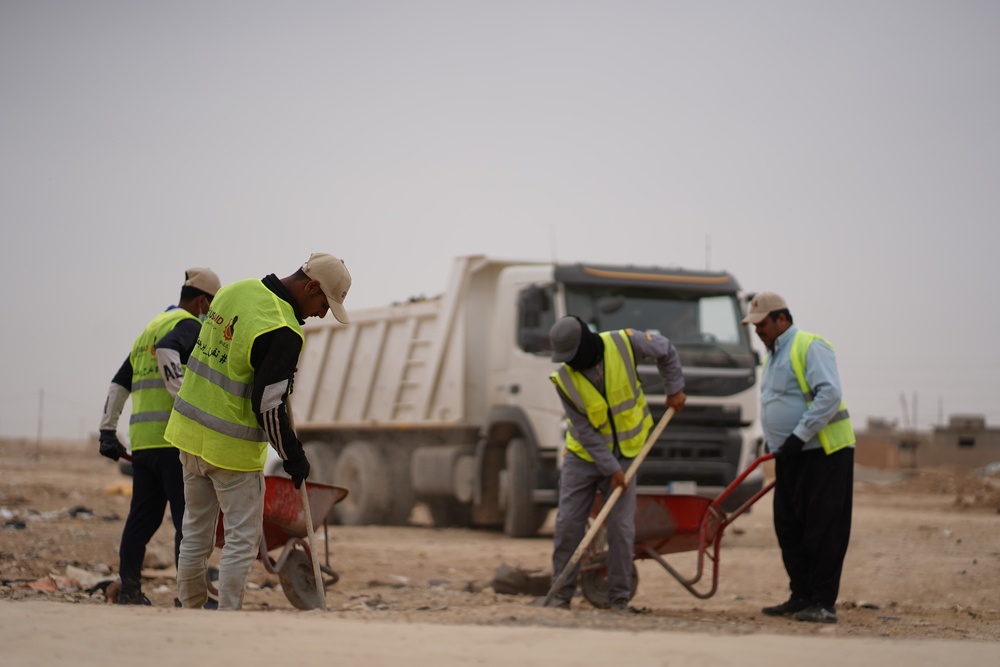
x: 274, y: 358
x: 182, y: 338
x: 124, y: 375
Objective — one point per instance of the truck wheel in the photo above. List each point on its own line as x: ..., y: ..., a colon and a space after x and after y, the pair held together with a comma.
x: 449, y: 513
x: 521, y: 517
x: 361, y: 470
x: 322, y: 465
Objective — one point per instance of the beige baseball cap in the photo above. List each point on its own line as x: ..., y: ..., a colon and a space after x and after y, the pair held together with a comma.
x: 203, y: 279
x: 762, y: 304
x: 333, y: 277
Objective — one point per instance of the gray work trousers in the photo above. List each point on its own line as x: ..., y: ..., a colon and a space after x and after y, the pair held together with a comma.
x: 579, y: 482
x: 240, y: 497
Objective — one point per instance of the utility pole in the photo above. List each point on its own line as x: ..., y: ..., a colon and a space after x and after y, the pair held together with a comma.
x: 41, y: 409
x: 909, y: 439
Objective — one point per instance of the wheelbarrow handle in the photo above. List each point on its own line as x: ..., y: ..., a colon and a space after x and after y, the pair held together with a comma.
x: 595, y: 526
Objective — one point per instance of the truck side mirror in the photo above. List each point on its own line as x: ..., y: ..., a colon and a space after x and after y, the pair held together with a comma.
x: 533, y: 302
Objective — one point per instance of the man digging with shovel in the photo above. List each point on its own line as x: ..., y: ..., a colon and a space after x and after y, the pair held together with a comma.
x: 608, y: 423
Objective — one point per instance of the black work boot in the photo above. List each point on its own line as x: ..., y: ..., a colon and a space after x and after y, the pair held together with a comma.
x: 817, y: 613
x: 786, y: 608
x: 133, y: 597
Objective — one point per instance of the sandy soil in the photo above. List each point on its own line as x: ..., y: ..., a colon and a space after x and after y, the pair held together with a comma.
x: 924, y: 563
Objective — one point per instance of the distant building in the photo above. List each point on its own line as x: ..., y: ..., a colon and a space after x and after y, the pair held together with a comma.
x: 884, y: 446
x: 966, y: 442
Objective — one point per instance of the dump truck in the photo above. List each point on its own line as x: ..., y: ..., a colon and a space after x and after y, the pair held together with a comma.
x: 446, y: 401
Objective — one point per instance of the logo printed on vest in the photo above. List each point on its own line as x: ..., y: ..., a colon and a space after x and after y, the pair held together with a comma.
x: 227, y: 333
x: 213, y: 316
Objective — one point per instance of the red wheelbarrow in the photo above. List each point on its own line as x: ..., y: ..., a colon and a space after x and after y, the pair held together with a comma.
x: 285, y: 526
x: 667, y: 524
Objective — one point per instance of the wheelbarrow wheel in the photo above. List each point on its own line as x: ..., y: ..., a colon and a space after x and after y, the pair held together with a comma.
x: 594, y: 585
x: 298, y: 582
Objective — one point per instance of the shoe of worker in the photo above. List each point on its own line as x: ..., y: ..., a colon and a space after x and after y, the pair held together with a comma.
x: 621, y: 605
x: 817, y: 613
x: 128, y: 597
x: 554, y: 603
x: 786, y: 608
x: 211, y: 604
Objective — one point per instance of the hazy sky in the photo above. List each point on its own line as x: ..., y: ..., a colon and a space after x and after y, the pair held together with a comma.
x: 845, y: 155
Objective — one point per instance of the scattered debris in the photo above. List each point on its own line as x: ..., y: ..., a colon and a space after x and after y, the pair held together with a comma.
x: 123, y: 488
x: 519, y: 581
x: 395, y: 581
x: 54, y: 582
x: 365, y: 603
x: 112, y: 590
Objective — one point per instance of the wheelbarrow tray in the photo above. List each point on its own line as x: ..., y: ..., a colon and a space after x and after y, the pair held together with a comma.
x: 284, y: 526
x: 284, y: 514
x: 671, y: 523
x: 668, y: 524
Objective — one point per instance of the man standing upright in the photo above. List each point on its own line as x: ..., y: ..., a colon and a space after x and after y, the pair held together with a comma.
x: 152, y: 374
x: 807, y: 427
x: 608, y: 421
x: 231, y: 405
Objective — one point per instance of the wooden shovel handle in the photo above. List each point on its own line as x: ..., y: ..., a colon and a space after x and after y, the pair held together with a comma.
x: 612, y: 499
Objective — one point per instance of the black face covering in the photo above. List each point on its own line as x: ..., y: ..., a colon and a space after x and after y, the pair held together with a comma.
x: 590, y: 351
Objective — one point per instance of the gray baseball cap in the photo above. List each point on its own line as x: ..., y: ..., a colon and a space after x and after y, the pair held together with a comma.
x: 565, y: 338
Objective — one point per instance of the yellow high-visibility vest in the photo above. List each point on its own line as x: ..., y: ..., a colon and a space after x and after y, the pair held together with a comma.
x: 151, y: 402
x: 213, y: 415
x: 838, y: 432
x: 621, y: 412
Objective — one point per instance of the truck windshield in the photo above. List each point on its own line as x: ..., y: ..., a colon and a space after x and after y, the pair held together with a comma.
x: 705, y: 328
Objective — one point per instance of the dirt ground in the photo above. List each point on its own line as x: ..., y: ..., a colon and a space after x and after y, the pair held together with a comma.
x: 924, y: 560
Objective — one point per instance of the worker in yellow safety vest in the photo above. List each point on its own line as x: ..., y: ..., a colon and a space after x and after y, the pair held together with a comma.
x: 231, y: 405
x: 607, y: 420
x: 807, y: 426
x: 152, y: 376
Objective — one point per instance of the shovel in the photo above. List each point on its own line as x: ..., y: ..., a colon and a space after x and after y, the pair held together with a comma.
x: 317, y: 574
x: 320, y: 590
x: 603, y: 514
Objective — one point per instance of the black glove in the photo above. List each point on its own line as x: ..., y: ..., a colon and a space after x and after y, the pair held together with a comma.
x: 297, y: 468
x: 792, y: 447
x: 110, y: 446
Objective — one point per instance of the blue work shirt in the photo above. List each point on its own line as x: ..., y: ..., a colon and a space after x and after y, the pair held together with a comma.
x: 783, y: 405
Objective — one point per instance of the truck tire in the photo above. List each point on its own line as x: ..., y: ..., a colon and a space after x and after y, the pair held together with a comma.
x: 322, y: 465
x: 522, y: 517
x: 361, y: 470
